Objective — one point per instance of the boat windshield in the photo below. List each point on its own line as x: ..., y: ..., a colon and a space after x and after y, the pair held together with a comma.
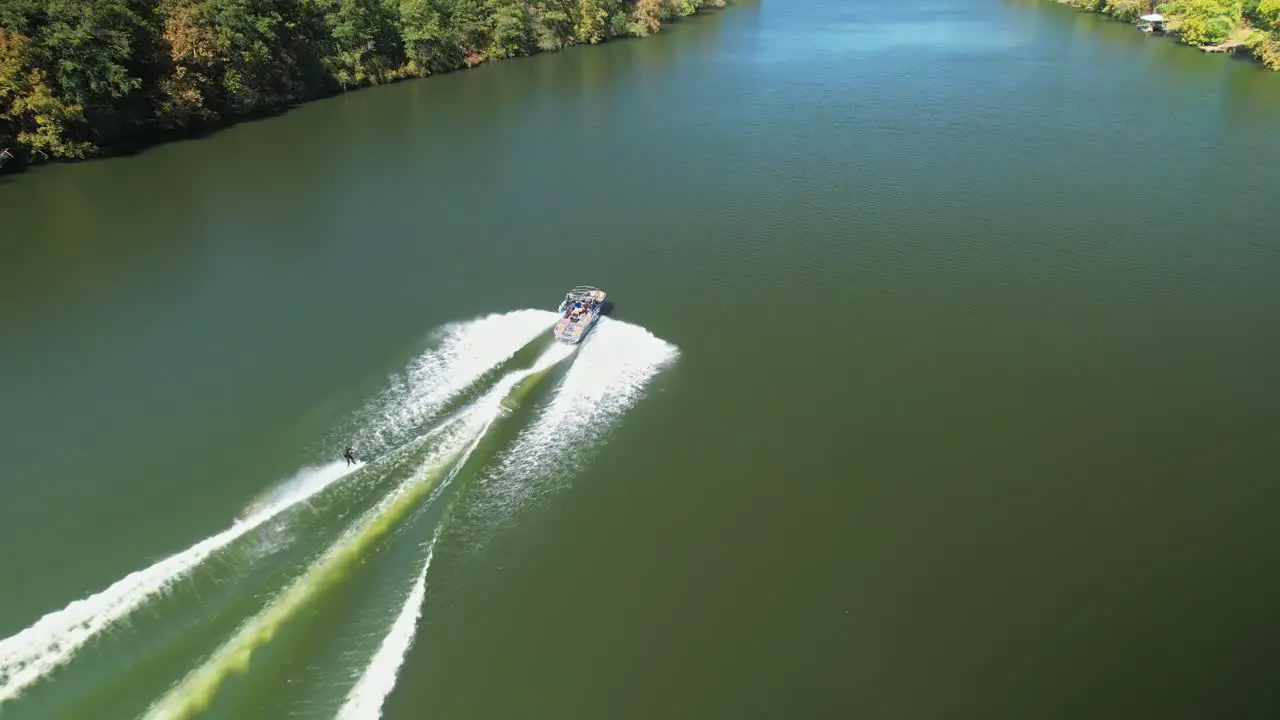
x: 582, y: 294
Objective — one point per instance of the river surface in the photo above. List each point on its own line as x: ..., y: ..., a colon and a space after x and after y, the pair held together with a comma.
x: 939, y: 382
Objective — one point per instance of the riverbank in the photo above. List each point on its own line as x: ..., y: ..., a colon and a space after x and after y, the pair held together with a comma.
x: 1250, y: 26
x: 94, y: 79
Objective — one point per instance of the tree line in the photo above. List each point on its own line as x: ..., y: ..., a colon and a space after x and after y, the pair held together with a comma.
x: 78, y: 76
x: 1253, y: 23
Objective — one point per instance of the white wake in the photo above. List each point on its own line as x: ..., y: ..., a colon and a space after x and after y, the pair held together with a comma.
x: 379, y: 678
x: 199, y: 687
x: 608, y: 378
x: 614, y: 365
x: 466, y: 351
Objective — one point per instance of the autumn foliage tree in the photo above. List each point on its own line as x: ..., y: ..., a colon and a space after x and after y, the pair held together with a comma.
x: 80, y: 75
x: 30, y: 114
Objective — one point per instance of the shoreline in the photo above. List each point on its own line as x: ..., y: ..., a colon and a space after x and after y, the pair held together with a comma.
x: 187, y: 85
x: 1211, y: 26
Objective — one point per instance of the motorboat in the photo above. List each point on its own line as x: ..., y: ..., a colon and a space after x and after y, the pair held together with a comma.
x: 579, y: 312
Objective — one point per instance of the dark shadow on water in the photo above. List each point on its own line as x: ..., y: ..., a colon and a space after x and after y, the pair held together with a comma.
x: 154, y: 139
x: 151, y: 141
x: 11, y: 169
x: 606, y: 308
x: 1243, y: 56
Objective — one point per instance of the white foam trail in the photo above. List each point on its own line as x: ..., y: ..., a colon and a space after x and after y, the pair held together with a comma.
x: 301, y: 486
x: 200, y: 685
x: 610, y: 374
x: 55, y: 638
x: 613, y: 367
x: 365, y: 699
x: 467, y: 351
x: 379, y: 678
x: 473, y: 425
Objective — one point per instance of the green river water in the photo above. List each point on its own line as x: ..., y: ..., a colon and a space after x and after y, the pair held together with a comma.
x: 939, y: 382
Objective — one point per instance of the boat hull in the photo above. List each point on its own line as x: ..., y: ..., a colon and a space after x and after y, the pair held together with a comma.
x: 572, y: 331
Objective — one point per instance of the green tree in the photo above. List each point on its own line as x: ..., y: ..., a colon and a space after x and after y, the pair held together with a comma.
x: 1126, y: 10
x: 552, y: 23
x: 683, y: 8
x: 364, y: 44
x: 432, y: 40
x: 591, y: 18
x: 31, y: 114
x: 1205, y: 22
x: 1268, y: 14
x: 510, y: 31
x: 97, y: 52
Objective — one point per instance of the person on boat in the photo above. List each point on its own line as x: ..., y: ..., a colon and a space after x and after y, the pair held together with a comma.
x: 349, y: 455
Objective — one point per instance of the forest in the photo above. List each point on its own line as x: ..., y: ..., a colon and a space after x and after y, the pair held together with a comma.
x: 79, y: 77
x: 1253, y: 25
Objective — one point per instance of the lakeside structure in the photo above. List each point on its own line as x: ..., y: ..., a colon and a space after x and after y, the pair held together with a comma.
x: 1152, y: 23
x: 1213, y: 26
